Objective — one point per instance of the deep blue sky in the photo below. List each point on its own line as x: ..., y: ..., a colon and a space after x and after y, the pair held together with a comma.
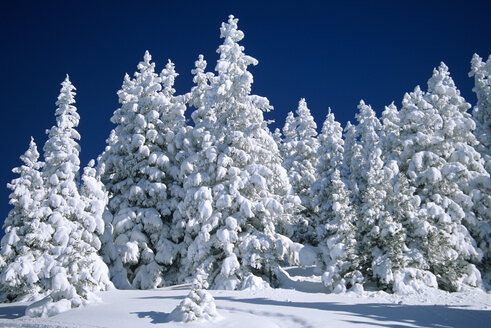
x: 332, y: 53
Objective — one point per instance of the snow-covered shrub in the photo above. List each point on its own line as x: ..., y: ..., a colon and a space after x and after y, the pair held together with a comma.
x: 198, y: 305
x: 412, y: 280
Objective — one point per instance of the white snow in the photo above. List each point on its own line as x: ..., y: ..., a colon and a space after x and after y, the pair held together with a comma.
x: 301, y: 302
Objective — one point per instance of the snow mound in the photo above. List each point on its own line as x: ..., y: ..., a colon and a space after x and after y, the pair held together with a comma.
x: 412, y: 280
x: 198, y: 305
x: 47, y: 307
x: 253, y: 283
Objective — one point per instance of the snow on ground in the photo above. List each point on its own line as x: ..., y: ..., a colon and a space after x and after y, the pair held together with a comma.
x: 301, y: 302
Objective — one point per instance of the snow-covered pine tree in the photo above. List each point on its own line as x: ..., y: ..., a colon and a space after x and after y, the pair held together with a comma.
x: 197, y: 169
x: 290, y: 136
x: 481, y: 187
x: 178, y: 145
x: 26, y: 235
x: 138, y: 171
x: 300, y: 157
x: 76, y: 270
x: 399, y: 266
x: 439, y: 161
x: 419, y: 123
x: 462, y: 167
x: 381, y: 238
x: 237, y: 192
x: 94, y: 197
x: 335, y: 226
x: 481, y: 71
x: 368, y: 129
x: 351, y: 158
x: 390, y: 138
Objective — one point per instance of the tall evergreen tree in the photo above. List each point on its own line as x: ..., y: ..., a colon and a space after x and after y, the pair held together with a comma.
x: 398, y: 264
x: 300, y: 159
x: 481, y: 71
x: 440, y: 162
x: 381, y: 237
x: 463, y: 165
x: 26, y: 235
x: 76, y: 270
x: 481, y: 187
x: 138, y: 171
x: 335, y: 226
x: 238, y: 192
x: 351, y: 159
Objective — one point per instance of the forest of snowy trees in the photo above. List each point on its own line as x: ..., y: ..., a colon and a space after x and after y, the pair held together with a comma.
x: 399, y: 202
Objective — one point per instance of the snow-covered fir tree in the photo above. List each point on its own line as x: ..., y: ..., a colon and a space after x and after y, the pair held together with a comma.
x: 26, y: 235
x: 138, y: 170
x: 197, y: 170
x: 381, y: 237
x: 237, y: 192
x: 418, y: 122
x: 440, y: 162
x: 481, y: 71
x: 351, y: 159
x: 289, y: 134
x: 335, y: 226
x: 94, y: 197
x: 368, y: 130
x: 481, y: 187
x: 300, y: 157
x: 390, y: 137
x: 72, y: 268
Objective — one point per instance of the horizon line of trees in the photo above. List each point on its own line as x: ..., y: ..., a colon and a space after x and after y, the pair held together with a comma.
x: 400, y: 202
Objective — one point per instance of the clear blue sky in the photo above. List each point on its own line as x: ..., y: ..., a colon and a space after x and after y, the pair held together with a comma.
x: 333, y: 53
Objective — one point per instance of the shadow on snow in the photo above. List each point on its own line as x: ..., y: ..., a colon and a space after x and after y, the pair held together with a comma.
x: 12, y: 312
x: 405, y: 315
x: 375, y: 314
x: 156, y: 317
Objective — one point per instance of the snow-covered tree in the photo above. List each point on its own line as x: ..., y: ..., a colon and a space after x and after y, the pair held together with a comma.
x: 335, y: 226
x: 94, y: 197
x: 369, y: 130
x: 26, y: 235
x: 481, y: 71
x: 199, y: 304
x: 300, y: 157
x: 398, y: 266
x: 351, y: 158
x: 441, y: 165
x: 290, y: 136
x: 390, y: 136
x: 381, y: 237
x: 237, y: 192
x: 138, y: 170
x: 72, y: 269
x: 481, y: 230
x: 419, y: 123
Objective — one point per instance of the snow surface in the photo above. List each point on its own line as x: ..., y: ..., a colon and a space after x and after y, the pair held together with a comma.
x: 301, y: 301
